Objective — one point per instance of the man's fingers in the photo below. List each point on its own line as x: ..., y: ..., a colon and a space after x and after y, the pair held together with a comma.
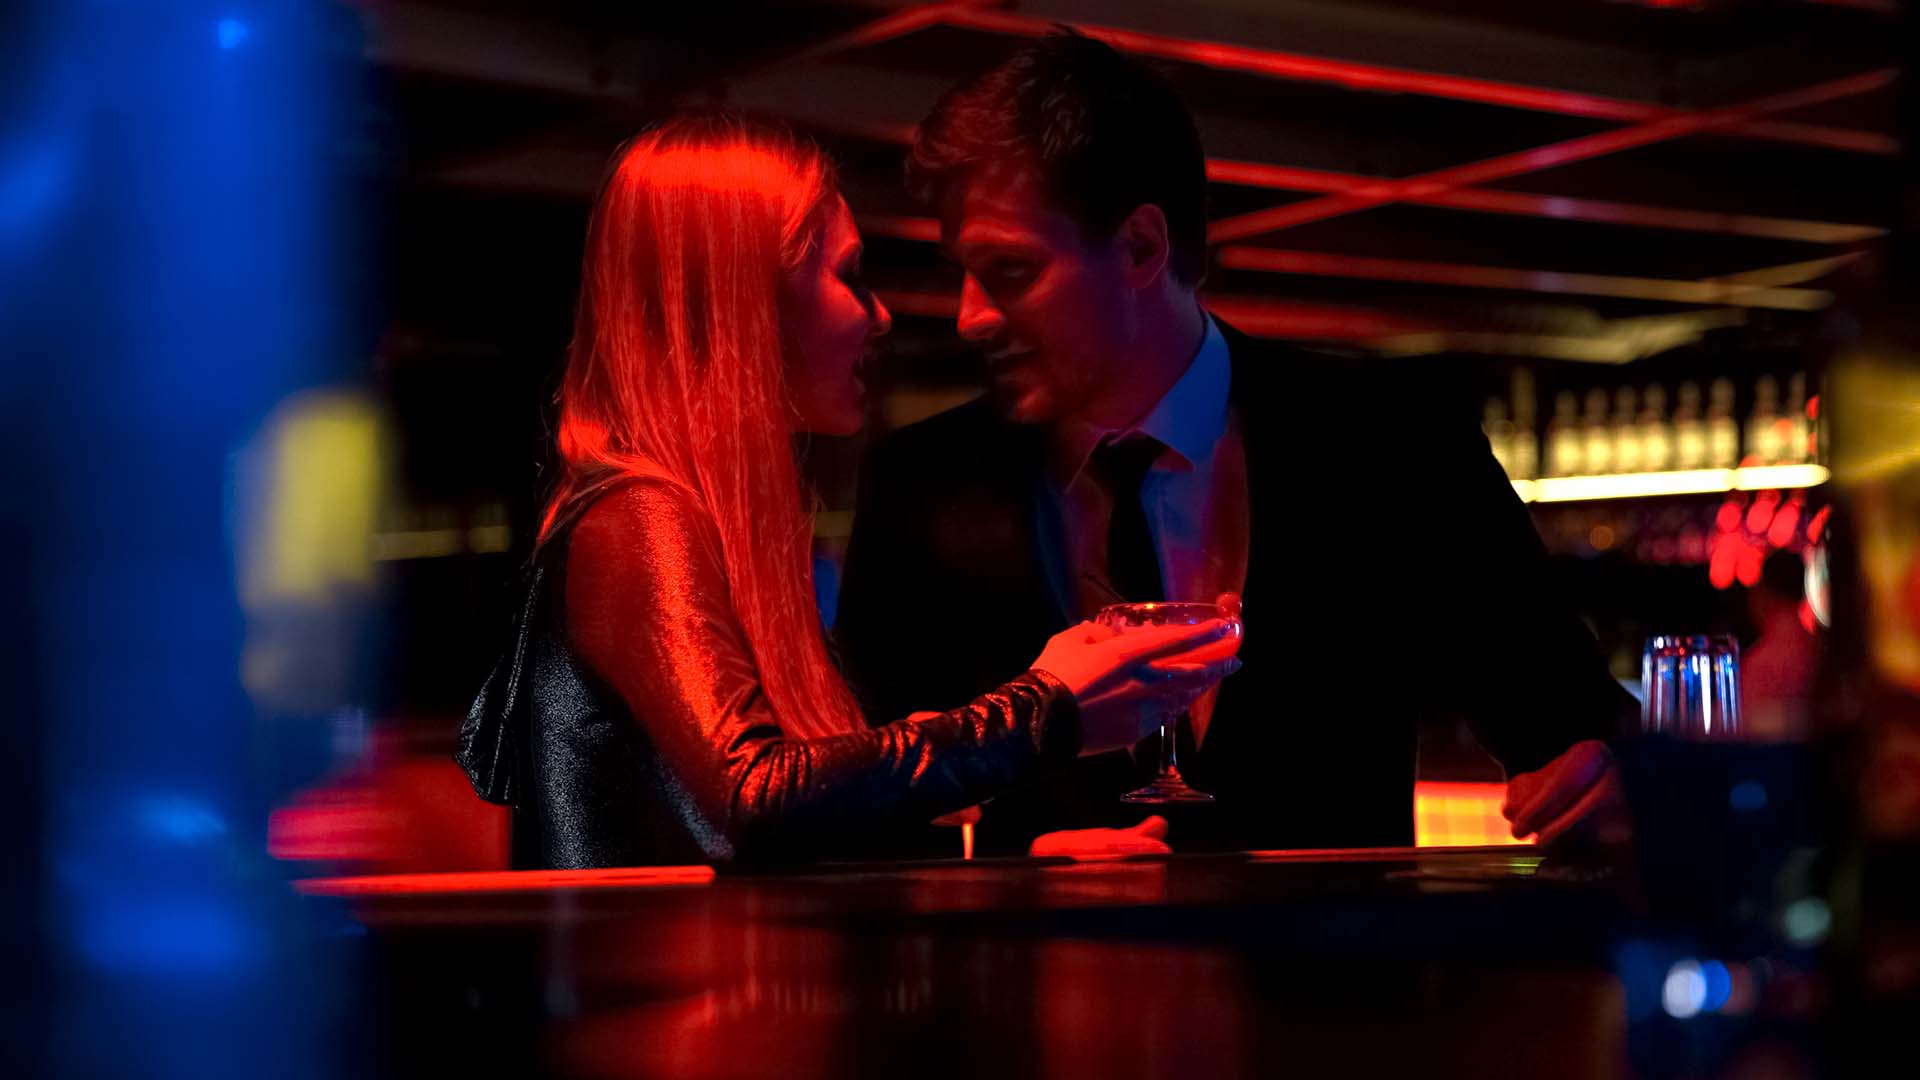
x: 1548, y: 802
x: 1583, y: 808
x: 1535, y: 798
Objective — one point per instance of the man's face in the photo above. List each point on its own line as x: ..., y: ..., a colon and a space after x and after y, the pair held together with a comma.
x: 1049, y: 310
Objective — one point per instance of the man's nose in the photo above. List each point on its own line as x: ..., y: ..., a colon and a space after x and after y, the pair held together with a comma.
x: 980, y: 321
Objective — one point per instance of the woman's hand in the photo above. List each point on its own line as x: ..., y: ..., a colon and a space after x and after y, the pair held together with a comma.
x: 1122, y: 682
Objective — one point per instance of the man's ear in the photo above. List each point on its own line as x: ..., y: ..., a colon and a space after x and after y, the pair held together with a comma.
x: 1145, y: 244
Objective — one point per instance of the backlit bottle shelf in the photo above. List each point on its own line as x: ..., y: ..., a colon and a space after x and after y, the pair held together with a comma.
x: 1682, y: 482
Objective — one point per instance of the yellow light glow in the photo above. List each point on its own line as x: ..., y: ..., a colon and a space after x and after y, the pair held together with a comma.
x: 305, y: 523
x: 1681, y: 482
x: 1765, y: 477
x: 1454, y: 814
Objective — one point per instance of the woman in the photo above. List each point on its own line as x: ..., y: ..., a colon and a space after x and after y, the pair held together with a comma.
x: 669, y: 696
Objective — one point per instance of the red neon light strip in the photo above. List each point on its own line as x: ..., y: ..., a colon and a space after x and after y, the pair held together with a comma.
x: 491, y: 881
x: 885, y: 28
x: 1275, y: 260
x: 1486, y: 200
x: 1505, y: 166
x: 1527, y: 204
x: 1273, y: 63
x: 1830, y: 138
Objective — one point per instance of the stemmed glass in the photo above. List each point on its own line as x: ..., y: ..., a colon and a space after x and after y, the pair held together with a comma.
x: 1167, y: 786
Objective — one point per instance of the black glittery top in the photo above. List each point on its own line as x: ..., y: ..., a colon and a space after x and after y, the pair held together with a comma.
x: 626, y: 725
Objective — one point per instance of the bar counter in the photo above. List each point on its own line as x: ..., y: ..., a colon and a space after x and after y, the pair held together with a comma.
x: 1458, y: 962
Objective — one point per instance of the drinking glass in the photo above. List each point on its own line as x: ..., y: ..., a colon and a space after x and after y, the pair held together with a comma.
x: 1690, y: 686
x: 1167, y: 785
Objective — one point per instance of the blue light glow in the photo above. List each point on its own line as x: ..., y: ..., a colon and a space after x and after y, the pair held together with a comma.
x: 231, y: 32
x: 182, y: 821
x: 187, y: 933
x: 1685, y: 992
x: 1748, y: 797
x: 1719, y: 982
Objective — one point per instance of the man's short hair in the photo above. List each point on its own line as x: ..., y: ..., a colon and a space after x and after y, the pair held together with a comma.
x: 1104, y: 133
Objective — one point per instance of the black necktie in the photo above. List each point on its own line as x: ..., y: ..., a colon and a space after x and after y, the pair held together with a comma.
x: 1132, y: 567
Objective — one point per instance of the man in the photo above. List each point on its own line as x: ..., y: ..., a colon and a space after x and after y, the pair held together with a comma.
x: 1134, y: 446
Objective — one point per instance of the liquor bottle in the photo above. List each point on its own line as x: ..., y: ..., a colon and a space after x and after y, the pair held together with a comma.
x: 1626, y: 432
x: 1596, y: 441
x: 1563, y: 437
x: 1763, y: 438
x: 1656, y: 438
x: 1689, y: 433
x: 1793, y: 424
x: 1525, y: 446
x: 1723, y: 435
x: 1499, y: 432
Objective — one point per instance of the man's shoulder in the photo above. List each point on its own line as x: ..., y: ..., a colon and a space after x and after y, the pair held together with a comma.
x: 1259, y: 361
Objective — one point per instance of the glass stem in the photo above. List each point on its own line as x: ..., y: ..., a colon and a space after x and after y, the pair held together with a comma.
x: 1169, y: 748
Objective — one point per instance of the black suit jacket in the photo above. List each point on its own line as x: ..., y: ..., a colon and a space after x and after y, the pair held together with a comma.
x: 1391, y: 573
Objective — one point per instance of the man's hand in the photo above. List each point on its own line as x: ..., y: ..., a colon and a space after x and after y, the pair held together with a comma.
x: 1575, y: 797
x: 1147, y: 838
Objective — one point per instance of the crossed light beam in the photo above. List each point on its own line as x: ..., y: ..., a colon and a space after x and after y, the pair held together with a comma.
x: 1455, y: 187
x: 1676, y: 124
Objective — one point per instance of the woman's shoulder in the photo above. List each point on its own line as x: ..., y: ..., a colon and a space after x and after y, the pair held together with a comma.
x: 642, y: 515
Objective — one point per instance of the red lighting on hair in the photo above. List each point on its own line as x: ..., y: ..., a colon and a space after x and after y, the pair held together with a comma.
x: 675, y: 372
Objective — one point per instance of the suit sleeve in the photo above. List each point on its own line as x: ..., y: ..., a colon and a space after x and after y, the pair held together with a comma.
x: 1517, y: 660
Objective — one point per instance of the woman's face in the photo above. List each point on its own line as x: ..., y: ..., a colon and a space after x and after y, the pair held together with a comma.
x: 829, y: 317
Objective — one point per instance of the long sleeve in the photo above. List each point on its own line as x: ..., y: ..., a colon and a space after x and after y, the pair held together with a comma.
x: 1525, y: 670
x: 649, y: 614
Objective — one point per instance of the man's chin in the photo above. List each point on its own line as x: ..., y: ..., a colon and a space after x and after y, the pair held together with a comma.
x: 1023, y: 403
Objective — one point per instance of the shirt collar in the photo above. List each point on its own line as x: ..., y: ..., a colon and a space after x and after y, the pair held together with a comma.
x: 1188, y: 419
